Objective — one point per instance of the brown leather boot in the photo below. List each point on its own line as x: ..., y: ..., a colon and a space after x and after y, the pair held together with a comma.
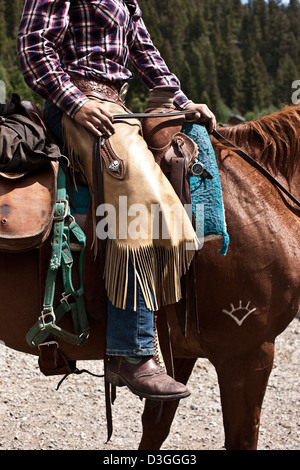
x: 145, y: 379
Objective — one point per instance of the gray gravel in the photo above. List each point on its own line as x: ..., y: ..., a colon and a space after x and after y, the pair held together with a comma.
x: 34, y: 416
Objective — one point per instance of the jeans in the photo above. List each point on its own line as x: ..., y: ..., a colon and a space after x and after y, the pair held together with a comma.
x: 129, y: 332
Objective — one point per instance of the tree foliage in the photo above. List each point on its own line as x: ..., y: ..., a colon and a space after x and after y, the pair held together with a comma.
x: 238, y: 57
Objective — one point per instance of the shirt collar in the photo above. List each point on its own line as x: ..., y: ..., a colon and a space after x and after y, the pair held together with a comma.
x: 134, y: 9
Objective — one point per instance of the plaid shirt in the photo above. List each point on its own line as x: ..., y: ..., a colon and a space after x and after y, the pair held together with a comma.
x: 96, y: 39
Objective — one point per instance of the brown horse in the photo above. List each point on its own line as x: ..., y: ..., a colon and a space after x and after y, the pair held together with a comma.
x: 245, y: 299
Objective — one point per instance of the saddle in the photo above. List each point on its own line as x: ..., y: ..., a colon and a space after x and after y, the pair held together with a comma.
x: 173, y: 151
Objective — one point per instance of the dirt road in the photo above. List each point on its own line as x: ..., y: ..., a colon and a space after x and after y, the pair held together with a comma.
x: 33, y: 415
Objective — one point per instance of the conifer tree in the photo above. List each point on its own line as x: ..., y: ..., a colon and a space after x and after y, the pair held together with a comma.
x: 237, y: 56
x: 3, y: 31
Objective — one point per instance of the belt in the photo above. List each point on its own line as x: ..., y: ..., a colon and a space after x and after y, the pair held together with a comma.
x: 113, y: 91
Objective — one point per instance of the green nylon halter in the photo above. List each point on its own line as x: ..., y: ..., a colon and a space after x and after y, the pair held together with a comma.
x: 61, y: 258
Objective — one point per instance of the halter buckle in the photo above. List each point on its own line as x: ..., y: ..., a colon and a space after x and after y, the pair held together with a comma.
x: 44, y: 315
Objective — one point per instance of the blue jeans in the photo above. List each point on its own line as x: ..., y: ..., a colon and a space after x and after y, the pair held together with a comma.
x: 129, y: 332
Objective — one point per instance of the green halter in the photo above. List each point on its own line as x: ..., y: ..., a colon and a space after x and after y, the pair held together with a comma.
x: 61, y: 257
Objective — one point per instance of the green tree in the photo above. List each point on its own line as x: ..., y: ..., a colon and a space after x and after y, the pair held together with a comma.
x: 3, y: 31
x: 233, y: 55
x: 287, y: 73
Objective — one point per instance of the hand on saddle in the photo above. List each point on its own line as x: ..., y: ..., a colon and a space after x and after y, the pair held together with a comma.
x: 204, y: 115
x: 95, y: 118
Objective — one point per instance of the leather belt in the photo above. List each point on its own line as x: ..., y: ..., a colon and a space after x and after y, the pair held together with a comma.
x: 105, y: 89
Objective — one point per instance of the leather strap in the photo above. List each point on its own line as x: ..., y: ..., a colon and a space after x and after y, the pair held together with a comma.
x: 163, y: 329
x: 52, y: 361
x: 104, y: 89
x: 98, y: 157
x: 177, y: 176
x: 99, y: 193
x: 256, y: 165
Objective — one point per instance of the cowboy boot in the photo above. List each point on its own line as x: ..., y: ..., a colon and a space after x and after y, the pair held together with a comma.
x: 145, y: 379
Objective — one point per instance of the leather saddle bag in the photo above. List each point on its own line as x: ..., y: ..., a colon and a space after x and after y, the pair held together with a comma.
x: 28, y: 177
x: 27, y: 205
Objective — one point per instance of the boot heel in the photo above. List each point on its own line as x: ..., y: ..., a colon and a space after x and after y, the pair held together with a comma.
x: 114, y: 379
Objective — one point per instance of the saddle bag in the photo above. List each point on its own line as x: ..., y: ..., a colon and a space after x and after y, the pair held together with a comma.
x: 27, y: 204
x: 28, y: 174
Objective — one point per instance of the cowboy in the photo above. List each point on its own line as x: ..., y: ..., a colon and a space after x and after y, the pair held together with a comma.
x: 75, y: 54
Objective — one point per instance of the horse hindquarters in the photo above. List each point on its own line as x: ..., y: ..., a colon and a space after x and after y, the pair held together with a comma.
x: 243, y: 381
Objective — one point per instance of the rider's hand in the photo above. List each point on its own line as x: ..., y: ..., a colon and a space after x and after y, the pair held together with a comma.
x: 204, y: 115
x: 95, y: 118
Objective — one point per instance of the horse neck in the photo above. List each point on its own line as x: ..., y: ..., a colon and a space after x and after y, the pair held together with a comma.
x: 278, y: 152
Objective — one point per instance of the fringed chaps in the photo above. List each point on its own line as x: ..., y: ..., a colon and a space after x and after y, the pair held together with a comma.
x: 160, y: 257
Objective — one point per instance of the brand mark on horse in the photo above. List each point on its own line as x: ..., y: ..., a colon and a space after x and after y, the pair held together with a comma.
x: 240, y: 313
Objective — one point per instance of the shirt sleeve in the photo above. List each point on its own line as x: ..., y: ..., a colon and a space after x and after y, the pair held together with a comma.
x: 150, y: 66
x: 42, y: 29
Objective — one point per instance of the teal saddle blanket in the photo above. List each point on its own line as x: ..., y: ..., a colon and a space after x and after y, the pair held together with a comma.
x: 206, y: 194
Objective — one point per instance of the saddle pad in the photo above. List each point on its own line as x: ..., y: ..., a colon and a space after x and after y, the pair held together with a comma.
x: 206, y: 194
x: 81, y: 199
x: 27, y: 205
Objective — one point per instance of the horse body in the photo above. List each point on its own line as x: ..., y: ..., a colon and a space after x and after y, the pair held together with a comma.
x: 245, y: 299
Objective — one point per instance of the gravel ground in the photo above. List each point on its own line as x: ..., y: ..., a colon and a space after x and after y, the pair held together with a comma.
x: 34, y: 416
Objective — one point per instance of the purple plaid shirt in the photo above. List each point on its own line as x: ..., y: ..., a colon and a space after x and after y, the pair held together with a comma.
x: 96, y: 39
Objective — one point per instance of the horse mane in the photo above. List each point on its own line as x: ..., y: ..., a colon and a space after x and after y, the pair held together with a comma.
x: 276, y: 137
